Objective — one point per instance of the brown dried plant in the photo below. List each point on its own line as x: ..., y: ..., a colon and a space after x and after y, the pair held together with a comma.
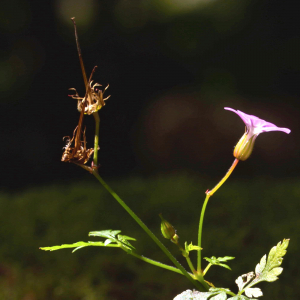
x: 89, y: 104
x: 93, y: 98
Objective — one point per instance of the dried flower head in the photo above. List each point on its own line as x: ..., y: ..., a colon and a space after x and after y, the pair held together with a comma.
x: 93, y: 99
x: 75, y: 150
x: 78, y: 153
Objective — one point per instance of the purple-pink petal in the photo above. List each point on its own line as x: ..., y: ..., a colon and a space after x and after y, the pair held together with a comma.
x: 257, y: 125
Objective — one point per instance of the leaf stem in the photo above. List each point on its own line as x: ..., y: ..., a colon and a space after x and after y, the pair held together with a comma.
x: 158, y: 264
x: 149, y: 232
x: 207, y: 268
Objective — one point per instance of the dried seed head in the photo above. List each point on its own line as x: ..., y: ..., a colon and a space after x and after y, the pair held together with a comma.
x: 77, y: 153
x: 94, y: 97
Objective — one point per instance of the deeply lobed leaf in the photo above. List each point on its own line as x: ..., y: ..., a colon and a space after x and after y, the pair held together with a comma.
x: 266, y: 270
x: 217, y: 261
x: 113, y: 239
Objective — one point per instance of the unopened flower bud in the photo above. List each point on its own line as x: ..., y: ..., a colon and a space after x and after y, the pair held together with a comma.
x: 244, y: 147
x: 167, y: 230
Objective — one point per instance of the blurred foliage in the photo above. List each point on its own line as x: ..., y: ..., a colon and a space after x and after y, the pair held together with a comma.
x: 244, y: 220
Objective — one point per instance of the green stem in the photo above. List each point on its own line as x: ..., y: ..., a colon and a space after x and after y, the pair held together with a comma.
x: 200, y: 233
x: 206, y: 269
x: 149, y: 232
x: 208, y: 195
x: 198, y: 276
x: 191, y: 265
x: 96, y: 140
x: 159, y: 264
x: 211, y: 192
x: 230, y: 293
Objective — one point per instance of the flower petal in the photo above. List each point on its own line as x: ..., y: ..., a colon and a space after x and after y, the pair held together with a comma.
x: 256, y: 125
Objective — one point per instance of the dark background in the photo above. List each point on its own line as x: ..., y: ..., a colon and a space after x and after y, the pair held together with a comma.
x: 172, y: 67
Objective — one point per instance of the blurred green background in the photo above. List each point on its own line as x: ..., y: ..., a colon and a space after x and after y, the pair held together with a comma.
x: 243, y: 219
x: 172, y: 65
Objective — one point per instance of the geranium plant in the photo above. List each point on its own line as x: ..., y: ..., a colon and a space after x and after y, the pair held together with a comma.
x: 75, y: 151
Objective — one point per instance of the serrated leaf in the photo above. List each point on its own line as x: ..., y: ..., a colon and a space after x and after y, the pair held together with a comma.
x: 253, y: 292
x: 268, y: 271
x: 276, y: 254
x: 194, y: 295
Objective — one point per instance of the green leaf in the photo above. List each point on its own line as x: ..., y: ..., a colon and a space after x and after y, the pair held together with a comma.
x: 113, y: 239
x: 105, y: 233
x: 269, y: 270
x: 217, y: 261
x: 114, y: 236
x: 225, y: 258
x: 124, y: 240
x: 191, y: 247
x: 266, y: 270
x: 77, y: 245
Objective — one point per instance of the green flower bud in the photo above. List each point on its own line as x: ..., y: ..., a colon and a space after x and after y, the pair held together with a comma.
x: 244, y: 147
x: 167, y: 230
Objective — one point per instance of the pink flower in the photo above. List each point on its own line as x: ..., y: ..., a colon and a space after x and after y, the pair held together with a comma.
x: 254, y: 126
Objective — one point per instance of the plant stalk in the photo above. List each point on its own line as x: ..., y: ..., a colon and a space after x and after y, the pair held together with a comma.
x: 149, y: 232
x: 159, y: 264
x: 208, y: 195
x: 96, y: 139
